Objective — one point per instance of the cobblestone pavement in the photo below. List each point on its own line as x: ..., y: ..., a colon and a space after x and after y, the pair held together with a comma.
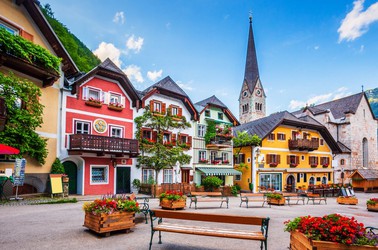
x: 59, y: 226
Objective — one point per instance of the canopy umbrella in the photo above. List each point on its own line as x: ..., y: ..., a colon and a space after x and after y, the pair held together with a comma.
x: 8, y: 150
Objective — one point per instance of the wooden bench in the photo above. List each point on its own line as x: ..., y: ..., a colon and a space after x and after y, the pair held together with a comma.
x: 316, y: 197
x: 251, y: 197
x: 294, y: 197
x: 220, y: 230
x: 207, y: 197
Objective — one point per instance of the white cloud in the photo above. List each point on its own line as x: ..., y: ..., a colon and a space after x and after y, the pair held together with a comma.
x: 362, y: 48
x: 357, y: 21
x: 294, y: 104
x: 134, y: 44
x: 119, y: 17
x: 108, y: 50
x: 319, y: 99
x: 185, y: 86
x: 316, y: 47
x: 153, y: 75
x: 133, y: 73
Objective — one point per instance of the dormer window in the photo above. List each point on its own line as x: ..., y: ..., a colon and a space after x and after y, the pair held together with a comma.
x: 207, y: 113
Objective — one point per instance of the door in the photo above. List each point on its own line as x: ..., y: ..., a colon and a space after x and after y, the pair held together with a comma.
x: 123, y: 180
x: 71, y: 170
x: 184, y: 176
x: 290, y: 184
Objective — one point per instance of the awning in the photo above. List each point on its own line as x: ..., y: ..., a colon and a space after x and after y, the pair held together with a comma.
x: 8, y: 150
x: 218, y: 171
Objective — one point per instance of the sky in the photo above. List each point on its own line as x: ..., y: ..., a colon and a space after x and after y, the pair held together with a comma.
x: 308, y: 52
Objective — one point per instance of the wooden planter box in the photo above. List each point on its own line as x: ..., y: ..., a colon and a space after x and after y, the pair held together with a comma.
x: 106, y: 223
x: 347, y: 200
x: 278, y: 202
x: 373, y: 207
x: 299, y: 241
x: 171, y: 204
x: 93, y: 104
x: 119, y: 109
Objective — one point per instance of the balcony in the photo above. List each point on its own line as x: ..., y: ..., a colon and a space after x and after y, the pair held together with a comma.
x: 101, y: 145
x: 220, y: 142
x: 304, y: 144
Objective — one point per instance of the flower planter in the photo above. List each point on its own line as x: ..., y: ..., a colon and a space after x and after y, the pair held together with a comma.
x: 106, y: 223
x: 279, y: 202
x: 173, y: 204
x: 299, y: 241
x: 93, y: 104
x: 347, y: 200
x: 118, y: 109
x: 373, y: 208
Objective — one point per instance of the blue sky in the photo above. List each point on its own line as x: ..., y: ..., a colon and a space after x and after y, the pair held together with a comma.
x: 309, y: 51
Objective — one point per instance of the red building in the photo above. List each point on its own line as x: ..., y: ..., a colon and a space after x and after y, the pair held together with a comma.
x: 97, y: 148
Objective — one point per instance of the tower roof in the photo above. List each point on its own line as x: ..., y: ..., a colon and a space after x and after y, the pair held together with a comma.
x: 251, y: 73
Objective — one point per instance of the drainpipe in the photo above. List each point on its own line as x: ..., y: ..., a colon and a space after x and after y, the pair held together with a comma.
x: 254, y: 159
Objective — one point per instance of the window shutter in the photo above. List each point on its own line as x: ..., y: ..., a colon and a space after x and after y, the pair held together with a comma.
x: 190, y: 140
x: 174, y: 138
x: 274, y: 136
x: 154, y: 135
x: 102, y: 96
x: 26, y: 35
x: 179, y: 111
x: 106, y: 97
x: 278, y: 159
x: 288, y: 159
x: 243, y: 158
x: 296, y: 159
x: 123, y: 101
x: 316, y: 160
x: 163, y: 108
x: 305, y: 177
x: 269, y: 159
x: 152, y: 105
x: 309, y: 160
x: 284, y: 137
x: 85, y: 93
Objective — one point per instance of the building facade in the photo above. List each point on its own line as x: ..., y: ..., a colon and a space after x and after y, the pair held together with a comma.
x: 212, y: 141
x: 294, y: 153
x: 98, y: 150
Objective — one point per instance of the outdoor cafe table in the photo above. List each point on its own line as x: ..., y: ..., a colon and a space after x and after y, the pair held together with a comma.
x: 3, y: 180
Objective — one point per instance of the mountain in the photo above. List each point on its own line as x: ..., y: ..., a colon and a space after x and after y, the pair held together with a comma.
x: 83, y: 57
x: 372, y: 95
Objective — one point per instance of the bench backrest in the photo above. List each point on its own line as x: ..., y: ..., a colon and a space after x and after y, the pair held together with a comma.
x: 222, y: 218
x: 251, y: 195
x: 206, y: 194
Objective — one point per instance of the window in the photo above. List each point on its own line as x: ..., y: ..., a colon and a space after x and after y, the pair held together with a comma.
x: 220, y: 116
x: 273, y: 159
x: 207, y: 113
x: 321, y: 142
x: 271, y: 181
x: 157, y: 107
x: 324, y: 180
x: 174, y: 110
x: 224, y: 157
x: 281, y: 137
x: 94, y: 94
x: 238, y: 177
x: 213, y: 155
x: 147, y: 134
x: 147, y: 175
x: 313, y: 161
x: 293, y: 160
x: 82, y: 127
x: 202, y: 156
x: 115, y: 98
x: 116, y: 132
x: 302, y: 157
x: 9, y: 28
x: 99, y: 174
x: 239, y: 159
x: 342, y: 162
x: 324, y: 161
x: 245, y: 108
x: 295, y: 135
x: 183, y: 139
x: 201, y: 130
x: 271, y: 137
x: 365, y: 154
x: 258, y: 106
x: 168, y: 176
x: 312, y: 180
x: 166, y: 137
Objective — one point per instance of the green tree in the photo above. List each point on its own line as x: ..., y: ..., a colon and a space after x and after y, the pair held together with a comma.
x: 243, y: 139
x: 24, y: 115
x: 157, y: 156
x: 210, y: 131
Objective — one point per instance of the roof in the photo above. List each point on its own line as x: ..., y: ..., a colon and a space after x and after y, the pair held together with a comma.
x: 264, y: 126
x: 344, y: 149
x: 251, y: 73
x: 214, y: 101
x: 338, y: 107
x: 69, y: 68
x: 108, y: 69
x: 168, y: 87
x: 368, y: 174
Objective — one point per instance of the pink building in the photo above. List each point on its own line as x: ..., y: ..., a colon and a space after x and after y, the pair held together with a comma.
x: 97, y: 148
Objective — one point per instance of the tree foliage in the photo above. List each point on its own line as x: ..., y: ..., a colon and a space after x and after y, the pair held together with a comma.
x: 24, y: 115
x: 158, y: 156
x: 210, y: 131
x: 82, y: 56
x: 244, y: 139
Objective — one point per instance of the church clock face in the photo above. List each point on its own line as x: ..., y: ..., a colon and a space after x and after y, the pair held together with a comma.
x: 245, y: 93
x: 258, y: 92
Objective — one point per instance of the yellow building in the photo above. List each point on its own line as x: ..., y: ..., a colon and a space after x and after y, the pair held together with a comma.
x: 295, y: 152
x: 24, y: 19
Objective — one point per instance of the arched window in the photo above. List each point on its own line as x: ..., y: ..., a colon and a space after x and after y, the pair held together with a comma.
x: 324, y: 180
x: 342, y: 162
x: 312, y: 180
x: 365, y: 153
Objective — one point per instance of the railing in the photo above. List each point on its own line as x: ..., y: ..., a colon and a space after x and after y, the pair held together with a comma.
x: 220, y: 142
x: 104, y: 144
x: 304, y: 144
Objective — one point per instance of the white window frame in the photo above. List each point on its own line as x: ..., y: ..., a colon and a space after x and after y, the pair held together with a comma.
x: 174, y: 110
x: 11, y: 29
x: 224, y: 156
x: 93, y: 90
x: 166, y: 137
x: 213, y: 155
x: 111, y: 127
x: 83, y: 122
x: 157, y: 107
x: 146, y: 173
x: 220, y: 116
x: 167, y: 176
x: 106, y: 177
x: 202, y: 155
x: 201, y: 130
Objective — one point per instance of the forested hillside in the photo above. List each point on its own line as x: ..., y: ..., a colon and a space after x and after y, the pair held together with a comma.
x: 84, y: 59
x: 373, y: 99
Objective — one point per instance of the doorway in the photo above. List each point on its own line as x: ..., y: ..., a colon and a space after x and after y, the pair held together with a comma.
x: 71, y: 170
x: 290, y: 184
x: 123, y: 180
x: 185, y: 176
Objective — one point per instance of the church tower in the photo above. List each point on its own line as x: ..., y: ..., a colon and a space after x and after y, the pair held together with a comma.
x: 252, y: 95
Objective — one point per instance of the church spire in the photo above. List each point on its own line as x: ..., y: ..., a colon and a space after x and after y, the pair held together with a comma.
x: 251, y: 73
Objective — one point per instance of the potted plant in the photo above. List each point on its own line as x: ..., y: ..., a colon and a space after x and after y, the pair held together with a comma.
x: 136, y: 186
x: 93, y: 102
x: 211, y: 182
x: 172, y: 200
x: 115, y: 106
x: 58, y: 168
x: 110, y: 214
x: 347, y: 200
x: 329, y: 232
x: 275, y: 199
x: 372, y: 204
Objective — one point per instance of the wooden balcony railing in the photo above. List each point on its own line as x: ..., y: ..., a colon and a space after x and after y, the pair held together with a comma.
x: 304, y: 144
x: 102, y: 144
x: 220, y: 142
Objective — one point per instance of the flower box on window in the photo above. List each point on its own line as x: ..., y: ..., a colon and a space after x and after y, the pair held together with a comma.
x: 325, y: 165
x: 115, y: 106
x: 293, y: 165
x: 273, y: 164
x: 215, y: 162
x: 176, y: 117
x: 226, y: 162
x: 93, y: 102
x: 203, y: 161
x: 314, y: 165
